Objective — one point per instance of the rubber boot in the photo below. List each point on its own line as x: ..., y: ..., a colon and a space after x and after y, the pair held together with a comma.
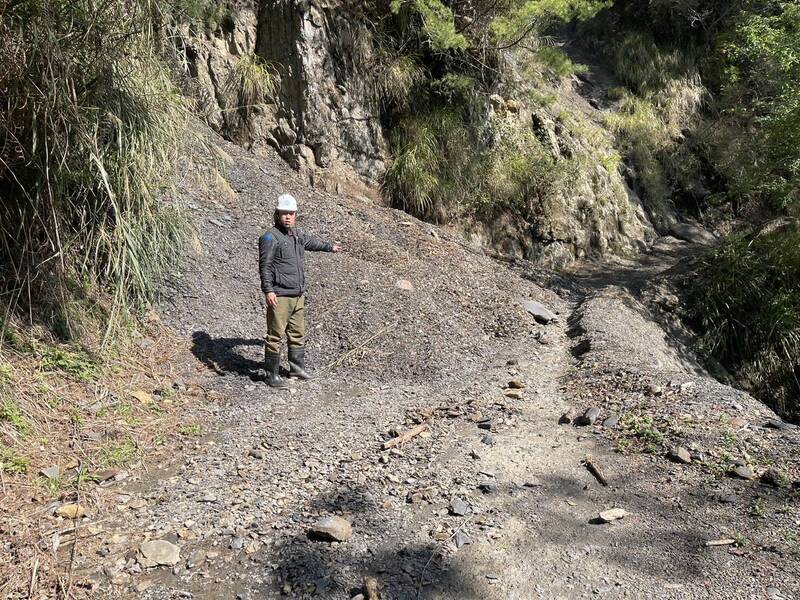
x: 272, y: 364
x: 297, y: 363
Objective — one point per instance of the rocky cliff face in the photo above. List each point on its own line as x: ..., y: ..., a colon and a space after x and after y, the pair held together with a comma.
x: 325, y: 122
x: 326, y: 113
x: 323, y: 116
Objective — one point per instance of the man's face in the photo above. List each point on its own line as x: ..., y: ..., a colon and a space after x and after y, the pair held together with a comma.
x: 287, y: 218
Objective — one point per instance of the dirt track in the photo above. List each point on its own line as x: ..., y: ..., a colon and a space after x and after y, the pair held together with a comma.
x: 241, y: 503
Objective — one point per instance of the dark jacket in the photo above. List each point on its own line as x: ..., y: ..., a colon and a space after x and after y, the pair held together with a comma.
x: 280, y: 260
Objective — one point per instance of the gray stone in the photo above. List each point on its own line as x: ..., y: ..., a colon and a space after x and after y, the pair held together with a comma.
x: 159, y: 552
x: 332, y: 528
x: 729, y: 499
x: 540, y: 313
x: 588, y: 417
x: 655, y: 390
x: 461, y: 539
x: 51, y: 472
x: 196, y: 559
x: 237, y: 543
x: 693, y: 233
x: 458, y: 507
x: 614, y: 514
x: 680, y: 455
x: 743, y: 472
x: 256, y: 453
x: 611, y: 422
x: 488, y: 440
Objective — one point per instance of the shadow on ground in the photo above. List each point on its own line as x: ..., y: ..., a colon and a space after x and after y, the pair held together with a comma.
x: 224, y: 355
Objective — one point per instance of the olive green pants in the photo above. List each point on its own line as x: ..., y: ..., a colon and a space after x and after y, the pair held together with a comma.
x: 288, y: 317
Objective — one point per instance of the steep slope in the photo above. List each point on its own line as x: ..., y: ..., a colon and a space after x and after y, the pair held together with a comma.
x: 240, y: 505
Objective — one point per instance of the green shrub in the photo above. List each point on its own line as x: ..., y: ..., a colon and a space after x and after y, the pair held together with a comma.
x: 11, y: 413
x: 76, y: 363
x: 746, y: 305
x: 11, y: 462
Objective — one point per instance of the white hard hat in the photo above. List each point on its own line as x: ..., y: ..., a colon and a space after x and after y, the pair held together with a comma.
x: 286, y: 202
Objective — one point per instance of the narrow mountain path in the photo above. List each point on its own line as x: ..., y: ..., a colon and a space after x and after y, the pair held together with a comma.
x: 491, y: 501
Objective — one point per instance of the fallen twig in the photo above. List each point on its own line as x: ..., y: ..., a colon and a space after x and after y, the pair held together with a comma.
x: 594, y: 469
x: 405, y: 436
x: 361, y: 346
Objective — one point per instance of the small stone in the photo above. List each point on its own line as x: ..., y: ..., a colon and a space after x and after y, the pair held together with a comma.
x: 540, y: 313
x: 143, y: 586
x: 743, y: 472
x: 105, y: 475
x: 568, y: 417
x: 475, y: 455
x: 680, y: 455
x: 332, y: 528
x: 774, y: 593
x: 405, y: 285
x: 137, y: 503
x: 142, y: 396
x: 488, y: 440
x: 611, y: 422
x: 487, y: 425
x: 614, y: 514
x: 589, y: 417
x: 516, y: 384
x: 256, y: 453
x: 237, y: 543
x: 729, y: 499
x: 51, y: 472
x: 461, y: 539
x: 655, y: 390
x: 71, y: 511
x: 487, y: 487
x: 605, y: 589
x: 196, y: 559
x: 514, y: 394
x: 440, y: 536
x: 458, y: 507
x: 208, y: 498
x: 685, y: 387
x: 159, y: 552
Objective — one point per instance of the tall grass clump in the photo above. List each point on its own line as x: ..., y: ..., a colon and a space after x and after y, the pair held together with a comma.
x: 251, y: 83
x: 746, y: 305
x: 663, y: 97
x: 91, y: 127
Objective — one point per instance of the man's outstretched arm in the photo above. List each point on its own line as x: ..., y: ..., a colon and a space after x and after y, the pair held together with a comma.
x: 317, y: 245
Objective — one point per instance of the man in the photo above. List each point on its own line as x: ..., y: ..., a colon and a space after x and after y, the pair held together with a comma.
x: 283, y: 281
